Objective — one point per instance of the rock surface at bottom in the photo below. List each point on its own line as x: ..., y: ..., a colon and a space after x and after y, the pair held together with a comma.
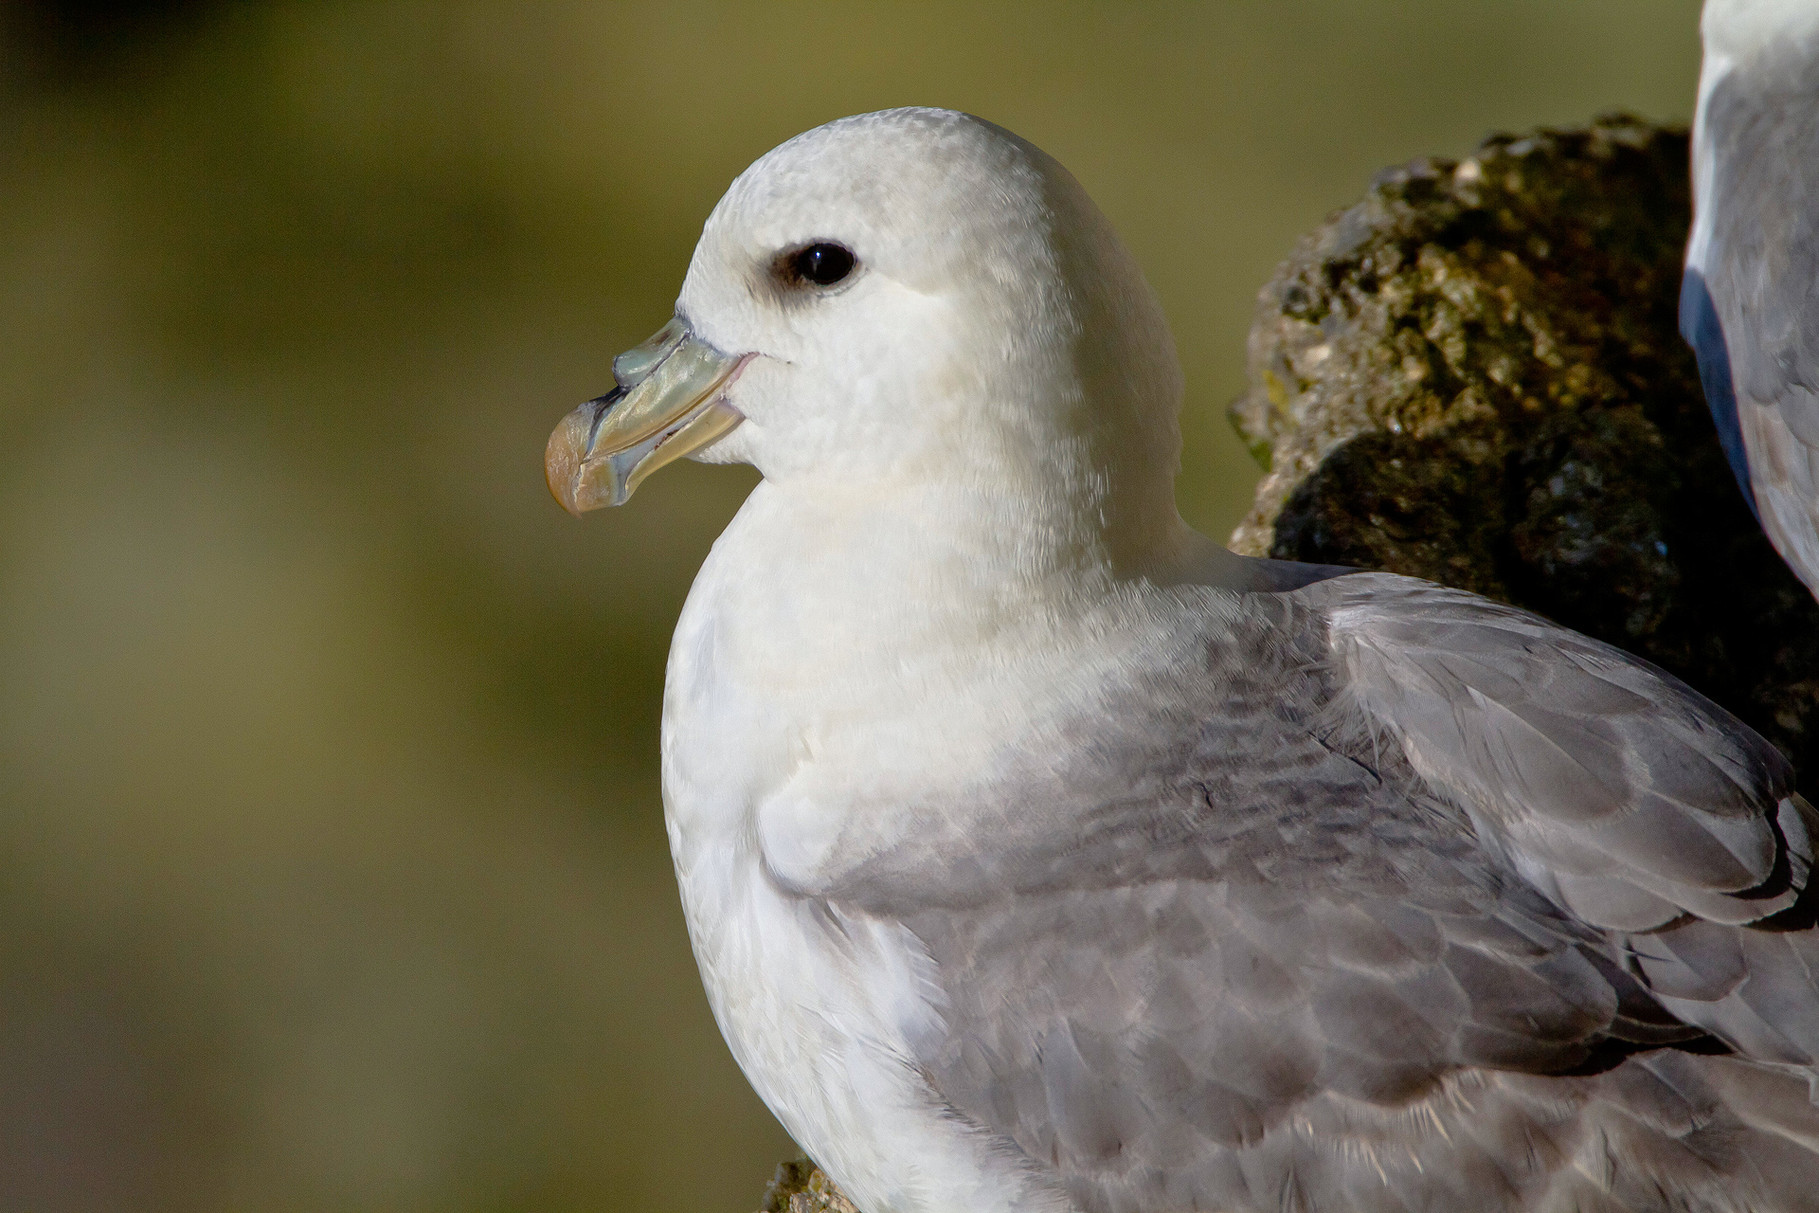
x: 802, y: 1187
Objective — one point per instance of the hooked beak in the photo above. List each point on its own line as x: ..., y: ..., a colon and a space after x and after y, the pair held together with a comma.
x: 668, y: 403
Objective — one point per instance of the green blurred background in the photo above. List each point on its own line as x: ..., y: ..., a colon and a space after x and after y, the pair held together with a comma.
x: 332, y: 871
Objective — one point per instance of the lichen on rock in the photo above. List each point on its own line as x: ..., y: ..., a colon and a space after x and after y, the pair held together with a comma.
x: 802, y: 1187
x: 1474, y: 375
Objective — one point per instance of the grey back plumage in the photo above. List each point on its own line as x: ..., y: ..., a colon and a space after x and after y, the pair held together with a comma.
x: 1750, y: 305
x: 1398, y: 899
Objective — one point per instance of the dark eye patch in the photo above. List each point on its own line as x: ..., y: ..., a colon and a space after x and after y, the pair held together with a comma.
x: 820, y: 264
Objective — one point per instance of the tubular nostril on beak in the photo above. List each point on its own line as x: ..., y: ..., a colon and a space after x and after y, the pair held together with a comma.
x: 635, y: 365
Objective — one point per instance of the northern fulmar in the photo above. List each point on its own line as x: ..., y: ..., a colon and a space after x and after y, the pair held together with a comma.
x: 1040, y: 854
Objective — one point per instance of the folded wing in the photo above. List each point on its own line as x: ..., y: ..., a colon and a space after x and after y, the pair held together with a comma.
x: 1634, y: 803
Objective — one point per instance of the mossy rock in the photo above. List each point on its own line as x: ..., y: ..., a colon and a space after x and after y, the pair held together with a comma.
x: 802, y: 1187
x: 1474, y: 375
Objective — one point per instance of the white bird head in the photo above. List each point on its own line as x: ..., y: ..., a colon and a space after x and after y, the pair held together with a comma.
x: 907, y: 300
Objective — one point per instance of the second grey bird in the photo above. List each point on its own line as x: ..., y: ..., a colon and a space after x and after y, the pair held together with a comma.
x: 1041, y: 855
x: 1749, y: 303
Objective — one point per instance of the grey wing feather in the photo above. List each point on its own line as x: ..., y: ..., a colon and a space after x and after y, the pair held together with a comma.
x: 1758, y: 159
x: 1623, y: 794
x: 1621, y: 791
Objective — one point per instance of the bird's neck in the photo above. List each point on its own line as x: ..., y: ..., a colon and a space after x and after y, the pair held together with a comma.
x: 815, y: 606
x: 897, y: 564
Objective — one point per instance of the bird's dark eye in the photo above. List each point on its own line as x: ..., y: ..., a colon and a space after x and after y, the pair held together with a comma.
x: 822, y: 264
